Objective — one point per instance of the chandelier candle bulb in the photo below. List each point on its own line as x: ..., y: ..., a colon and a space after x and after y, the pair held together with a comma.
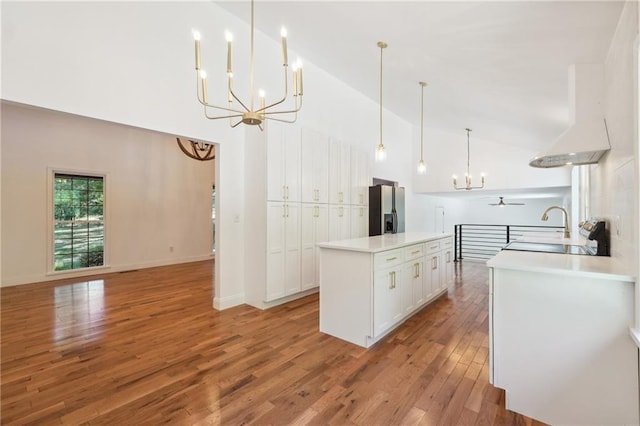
x: 285, y: 58
x: 300, y: 81
x: 229, y: 40
x: 295, y: 81
x: 196, y: 37
x: 203, y: 79
x: 262, y: 104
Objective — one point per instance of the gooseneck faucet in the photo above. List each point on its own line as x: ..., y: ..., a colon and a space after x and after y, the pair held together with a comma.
x: 544, y: 217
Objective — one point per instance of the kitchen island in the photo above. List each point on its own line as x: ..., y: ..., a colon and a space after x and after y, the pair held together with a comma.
x: 369, y: 286
x: 559, y: 337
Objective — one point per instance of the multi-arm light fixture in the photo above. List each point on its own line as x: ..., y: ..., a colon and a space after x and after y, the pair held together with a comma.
x: 467, y: 177
x: 422, y: 168
x: 381, y: 154
x: 249, y: 114
x: 197, y: 150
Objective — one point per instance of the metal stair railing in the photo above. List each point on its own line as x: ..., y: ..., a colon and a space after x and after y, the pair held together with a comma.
x: 482, y: 241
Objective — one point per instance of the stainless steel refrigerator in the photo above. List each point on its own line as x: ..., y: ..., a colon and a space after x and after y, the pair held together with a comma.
x: 386, y: 210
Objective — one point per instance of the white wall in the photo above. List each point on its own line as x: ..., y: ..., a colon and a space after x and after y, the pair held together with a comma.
x: 614, y: 180
x: 505, y: 166
x: 156, y: 197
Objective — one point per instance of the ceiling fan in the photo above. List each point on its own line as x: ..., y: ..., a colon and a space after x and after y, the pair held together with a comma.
x: 501, y: 203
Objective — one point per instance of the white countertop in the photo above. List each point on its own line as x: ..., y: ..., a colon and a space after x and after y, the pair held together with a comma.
x: 383, y: 242
x: 603, y: 267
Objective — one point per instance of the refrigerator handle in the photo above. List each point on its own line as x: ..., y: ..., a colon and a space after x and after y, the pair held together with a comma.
x: 395, y: 221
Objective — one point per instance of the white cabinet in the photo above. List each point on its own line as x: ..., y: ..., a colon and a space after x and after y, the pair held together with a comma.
x: 314, y: 230
x: 359, y: 174
x: 365, y: 293
x: 387, y: 290
x: 413, y: 278
x: 446, y: 260
x: 315, y: 166
x: 359, y: 223
x: 387, y: 299
x: 283, y: 250
x: 283, y: 162
x: 338, y: 172
x: 339, y: 222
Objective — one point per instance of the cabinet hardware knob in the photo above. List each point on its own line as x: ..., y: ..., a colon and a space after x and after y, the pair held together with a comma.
x: 392, y: 258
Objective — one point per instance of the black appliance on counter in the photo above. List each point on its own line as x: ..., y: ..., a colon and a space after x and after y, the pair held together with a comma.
x: 592, y: 229
x: 595, y: 229
x: 386, y: 209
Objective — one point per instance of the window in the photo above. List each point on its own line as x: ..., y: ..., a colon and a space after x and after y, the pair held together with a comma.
x: 78, y: 225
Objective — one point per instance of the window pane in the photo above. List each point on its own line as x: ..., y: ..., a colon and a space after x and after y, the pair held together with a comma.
x: 80, y: 184
x: 62, y: 263
x: 95, y: 213
x: 62, y: 183
x: 96, y: 185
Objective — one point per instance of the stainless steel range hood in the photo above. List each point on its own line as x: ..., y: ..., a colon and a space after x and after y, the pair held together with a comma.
x: 587, y: 140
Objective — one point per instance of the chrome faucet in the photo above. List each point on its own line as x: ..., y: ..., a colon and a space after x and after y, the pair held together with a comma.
x: 544, y: 217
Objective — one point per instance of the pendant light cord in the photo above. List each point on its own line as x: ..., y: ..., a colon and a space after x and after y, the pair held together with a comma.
x: 251, y: 76
x: 468, y: 130
x: 422, y: 122
x: 382, y: 46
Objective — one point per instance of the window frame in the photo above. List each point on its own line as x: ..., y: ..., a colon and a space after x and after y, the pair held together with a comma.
x: 51, y: 175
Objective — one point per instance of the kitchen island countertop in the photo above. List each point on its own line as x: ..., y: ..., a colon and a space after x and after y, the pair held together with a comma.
x: 384, y: 242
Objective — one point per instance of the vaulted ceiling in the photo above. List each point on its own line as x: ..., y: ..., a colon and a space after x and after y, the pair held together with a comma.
x: 499, y: 67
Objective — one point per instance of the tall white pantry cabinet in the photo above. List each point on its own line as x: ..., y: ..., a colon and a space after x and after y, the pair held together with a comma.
x: 304, y: 188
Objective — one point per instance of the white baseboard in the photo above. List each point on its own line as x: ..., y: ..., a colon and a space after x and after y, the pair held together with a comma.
x: 30, y: 279
x: 228, y: 302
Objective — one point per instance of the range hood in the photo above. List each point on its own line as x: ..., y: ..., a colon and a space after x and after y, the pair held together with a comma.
x: 587, y: 140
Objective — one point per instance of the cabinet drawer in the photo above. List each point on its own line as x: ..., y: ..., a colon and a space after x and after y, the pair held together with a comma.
x: 387, y: 258
x: 446, y: 243
x: 413, y: 252
x: 432, y: 246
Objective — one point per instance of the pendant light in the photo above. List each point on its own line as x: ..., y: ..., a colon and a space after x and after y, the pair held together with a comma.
x: 381, y: 154
x: 467, y: 177
x: 422, y: 168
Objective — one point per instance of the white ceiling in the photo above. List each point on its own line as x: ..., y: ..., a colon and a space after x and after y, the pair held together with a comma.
x: 499, y: 68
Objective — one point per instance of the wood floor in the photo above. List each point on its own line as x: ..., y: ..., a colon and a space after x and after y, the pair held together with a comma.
x: 146, y: 347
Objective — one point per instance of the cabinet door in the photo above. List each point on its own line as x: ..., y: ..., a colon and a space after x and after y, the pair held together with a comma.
x: 418, y: 282
x: 291, y: 137
x: 335, y: 151
x: 339, y: 222
x: 345, y: 175
x: 436, y: 277
x: 307, y: 246
x: 321, y: 235
x: 292, y: 248
x: 359, y: 177
x: 447, y: 267
x: 314, y: 177
x: 275, y: 286
x: 410, y: 274
x: 359, y: 221
x: 314, y: 229
x: 387, y: 301
x: 276, y: 181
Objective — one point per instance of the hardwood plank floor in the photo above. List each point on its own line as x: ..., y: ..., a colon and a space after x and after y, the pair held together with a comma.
x: 146, y: 347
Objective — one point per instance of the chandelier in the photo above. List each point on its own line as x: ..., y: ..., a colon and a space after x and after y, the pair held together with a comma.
x: 381, y: 154
x: 467, y: 177
x: 422, y: 168
x: 197, y: 150
x: 248, y: 113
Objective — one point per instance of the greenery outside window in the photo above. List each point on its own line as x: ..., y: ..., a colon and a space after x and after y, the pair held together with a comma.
x: 78, y: 226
